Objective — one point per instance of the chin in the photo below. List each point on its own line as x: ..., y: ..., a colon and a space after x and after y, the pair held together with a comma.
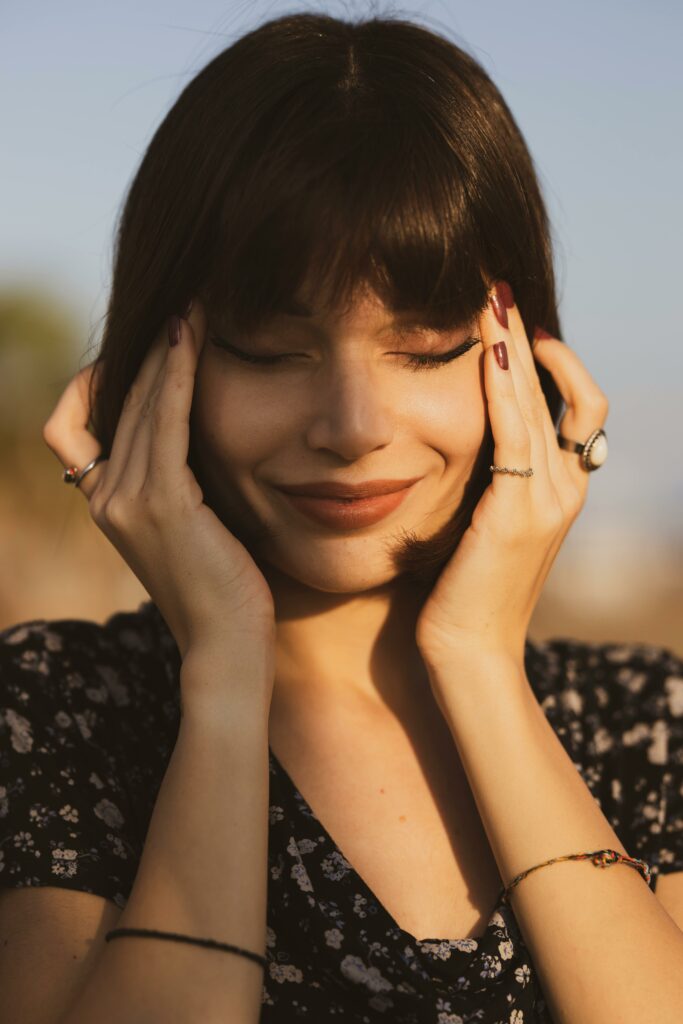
x: 354, y: 565
x: 344, y: 572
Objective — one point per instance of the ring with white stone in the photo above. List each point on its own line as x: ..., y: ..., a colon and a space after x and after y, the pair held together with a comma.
x: 593, y: 453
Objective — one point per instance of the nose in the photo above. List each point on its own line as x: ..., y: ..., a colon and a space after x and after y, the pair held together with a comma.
x: 351, y: 415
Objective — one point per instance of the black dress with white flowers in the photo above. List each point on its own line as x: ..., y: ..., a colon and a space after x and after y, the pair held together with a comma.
x: 89, y: 715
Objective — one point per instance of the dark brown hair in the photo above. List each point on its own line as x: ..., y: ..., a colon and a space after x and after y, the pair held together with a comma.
x: 359, y: 152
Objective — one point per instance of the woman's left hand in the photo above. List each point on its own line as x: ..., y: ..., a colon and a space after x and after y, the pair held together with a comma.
x: 485, y: 596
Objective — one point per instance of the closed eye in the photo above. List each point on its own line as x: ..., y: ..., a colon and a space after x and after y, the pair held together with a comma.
x: 415, y: 360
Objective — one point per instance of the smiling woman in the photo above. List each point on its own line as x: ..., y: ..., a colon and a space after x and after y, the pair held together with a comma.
x: 316, y: 160
x: 309, y: 778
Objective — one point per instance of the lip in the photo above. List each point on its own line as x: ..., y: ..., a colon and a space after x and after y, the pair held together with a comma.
x: 353, y: 514
x: 339, y: 489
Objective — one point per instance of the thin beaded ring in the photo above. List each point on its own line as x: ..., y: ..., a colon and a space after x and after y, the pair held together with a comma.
x: 515, y: 472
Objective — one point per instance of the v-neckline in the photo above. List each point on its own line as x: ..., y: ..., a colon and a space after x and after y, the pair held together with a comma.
x: 466, y: 942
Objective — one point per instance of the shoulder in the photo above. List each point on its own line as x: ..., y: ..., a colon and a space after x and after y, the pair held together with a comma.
x: 73, y: 683
x: 79, y: 661
x: 142, y: 631
x: 623, y: 688
x: 88, y: 717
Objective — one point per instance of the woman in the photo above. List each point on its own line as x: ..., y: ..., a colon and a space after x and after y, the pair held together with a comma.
x: 327, y: 743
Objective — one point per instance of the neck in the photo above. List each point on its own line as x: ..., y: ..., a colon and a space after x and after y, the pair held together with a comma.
x: 346, y: 647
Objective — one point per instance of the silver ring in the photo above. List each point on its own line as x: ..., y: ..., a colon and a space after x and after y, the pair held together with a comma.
x: 593, y: 453
x: 73, y: 475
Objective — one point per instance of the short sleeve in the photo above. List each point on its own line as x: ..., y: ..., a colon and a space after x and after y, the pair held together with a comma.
x: 66, y: 812
x: 618, y: 709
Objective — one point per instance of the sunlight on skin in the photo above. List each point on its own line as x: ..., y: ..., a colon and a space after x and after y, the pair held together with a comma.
x: 347, y: 395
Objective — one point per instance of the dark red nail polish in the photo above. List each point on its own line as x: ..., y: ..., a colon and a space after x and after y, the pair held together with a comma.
x: 540, y: 333
x: 173, y: 330
x: 501, y: 354
x: 499, y: 309
x: 502, y: 297
x: 505, y: 293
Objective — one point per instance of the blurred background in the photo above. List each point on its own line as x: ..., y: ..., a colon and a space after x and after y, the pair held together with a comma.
x: 596, y: 88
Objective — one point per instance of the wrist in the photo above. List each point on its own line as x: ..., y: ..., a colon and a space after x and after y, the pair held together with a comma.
x: 223, y: 688
x: 473, y: 658
x: 475, y: 673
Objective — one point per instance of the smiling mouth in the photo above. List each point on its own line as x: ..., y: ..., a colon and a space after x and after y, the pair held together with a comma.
x: 348, y: 513
x: 347, y: 491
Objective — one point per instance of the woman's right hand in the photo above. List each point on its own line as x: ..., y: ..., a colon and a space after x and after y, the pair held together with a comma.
x: 148, y: 503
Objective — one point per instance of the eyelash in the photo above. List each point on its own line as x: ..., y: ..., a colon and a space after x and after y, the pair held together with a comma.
x: 415, y: 361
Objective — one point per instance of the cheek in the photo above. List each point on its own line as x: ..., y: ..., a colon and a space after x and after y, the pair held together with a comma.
x: 228, y: 417
x: 450, y: 419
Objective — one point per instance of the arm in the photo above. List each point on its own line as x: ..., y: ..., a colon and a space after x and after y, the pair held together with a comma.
x: 604, y: 946
x: 203, y: 872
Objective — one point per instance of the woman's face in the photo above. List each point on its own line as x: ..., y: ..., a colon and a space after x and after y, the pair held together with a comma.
x: 344, y: 405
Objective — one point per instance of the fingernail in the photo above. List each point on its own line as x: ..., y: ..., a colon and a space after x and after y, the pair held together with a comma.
x: 505, y: 292
x: 540, y: 333
x: 500, y: 348
x: 502, y: 297
x: 186, y: 312
x: 173, y: 330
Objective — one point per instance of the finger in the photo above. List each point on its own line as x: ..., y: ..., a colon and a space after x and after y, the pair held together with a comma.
x: 533, y: 400
x: 510, y: 312
x: 65, y: 432
x: 133, y: 434
x: 573, y: 379
x: 169, y: 429
x: 525, y: 347
x: 532, y: 397
x: 493, y: 332
x: 137, y: 400
x: 511, y: 435
x: 587, y: 405
x: 130, y: 454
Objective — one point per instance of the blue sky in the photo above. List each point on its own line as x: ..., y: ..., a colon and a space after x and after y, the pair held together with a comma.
x: 597, y: 89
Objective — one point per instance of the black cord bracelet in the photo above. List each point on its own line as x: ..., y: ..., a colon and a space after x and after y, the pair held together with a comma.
x: 151, y: 933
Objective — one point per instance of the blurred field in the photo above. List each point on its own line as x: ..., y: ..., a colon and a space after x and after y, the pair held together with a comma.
x: 615, y: 584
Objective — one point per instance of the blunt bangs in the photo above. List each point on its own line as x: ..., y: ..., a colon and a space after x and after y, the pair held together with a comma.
x: 384, y: 207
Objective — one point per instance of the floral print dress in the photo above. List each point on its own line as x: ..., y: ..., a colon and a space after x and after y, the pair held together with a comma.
x: 89, y: 714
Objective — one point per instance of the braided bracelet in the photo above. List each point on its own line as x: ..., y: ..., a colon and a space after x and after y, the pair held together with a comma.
x: 600, y: 858
x: 118, y: 933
